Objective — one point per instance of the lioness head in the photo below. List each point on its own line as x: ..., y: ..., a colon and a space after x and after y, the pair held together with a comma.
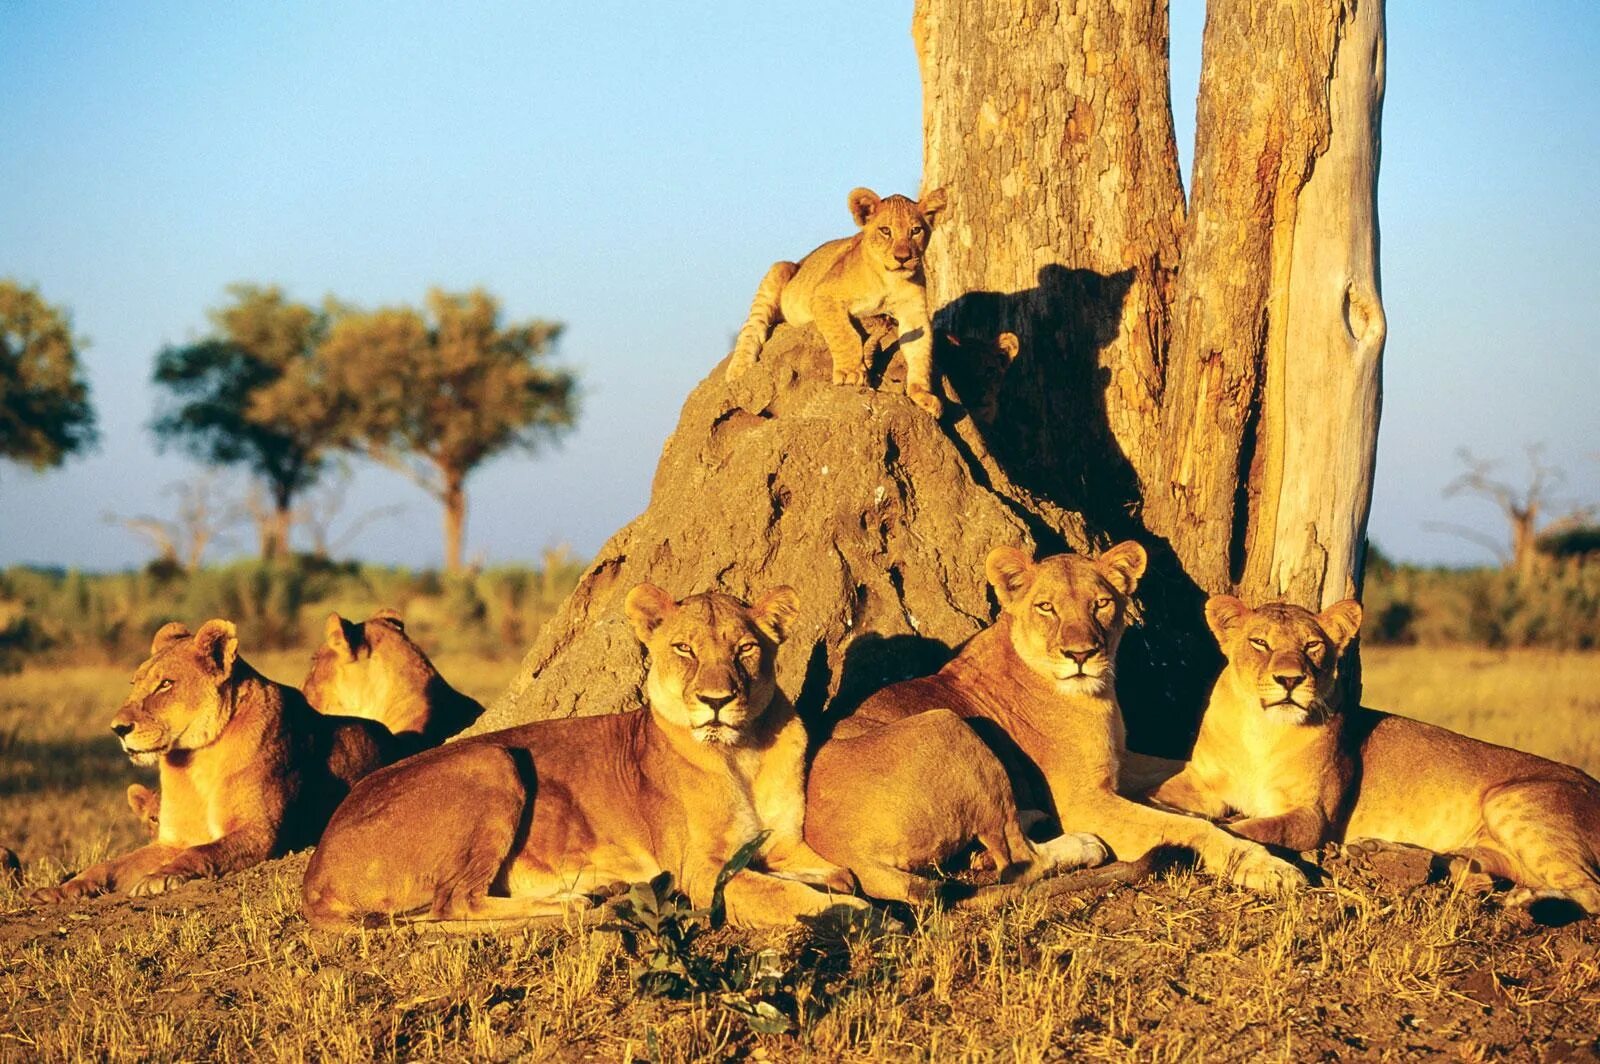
x: 1284, y: 657
x: 179, y: 699
x: 373, y: 669
x: 895, y: 229
x: 1067, y: 612
x: 711, y: 657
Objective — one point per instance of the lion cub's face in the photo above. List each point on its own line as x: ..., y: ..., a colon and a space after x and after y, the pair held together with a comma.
x: 1283, y: 657
x: 177, y: 701
x: 1068, y: 612
x: 361, y: 668
x: 711, y: 657
x: 895, y: 230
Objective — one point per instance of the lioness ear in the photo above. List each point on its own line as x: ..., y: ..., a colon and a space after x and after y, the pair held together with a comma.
x: 167, y: 635
x: 647, y: 606
x: 1009, y: 571
x: 1223, y: 614
x: 336, y: 636
x: 774, y: 612
x: 391, y: 615
x: 1341, y: 621
x: 932, y: 204
x: 863, y: 201
x: 218, y: 642
x: 1123, y: 565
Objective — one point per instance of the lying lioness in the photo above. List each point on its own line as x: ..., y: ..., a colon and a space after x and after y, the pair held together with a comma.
x: 374, y: 670
x: 1037, y: 685
x: 248, y: 770
x: 523, y: 824
x: 1272, y: 747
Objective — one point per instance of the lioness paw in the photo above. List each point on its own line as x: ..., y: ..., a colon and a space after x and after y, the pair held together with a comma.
x: 1075, y: 850
x: 71, y: 890
x: 1259, y: 870
x: 832, y: 877
x: 925, y: 399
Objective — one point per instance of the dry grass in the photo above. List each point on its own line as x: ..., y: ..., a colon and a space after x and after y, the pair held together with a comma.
x: 1373, y: 964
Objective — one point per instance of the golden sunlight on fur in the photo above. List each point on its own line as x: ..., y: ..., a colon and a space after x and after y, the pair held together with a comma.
x: 248, y: 770
x: 878, y: 271
x: 526, y: 824
x: 1273, y: 747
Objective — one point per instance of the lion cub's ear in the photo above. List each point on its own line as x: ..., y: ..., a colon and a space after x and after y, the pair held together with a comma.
x: 1123, y: 565
x: 774, y: 612
x: 1341, y: 621
x: 1009, y: 571
x: 168, y: 634
x: 1224, y: 613
x: 218, y: 642
x: 336, y: 636
x: 933, y: 204
x: 863, y: 201
x: 647, y: 606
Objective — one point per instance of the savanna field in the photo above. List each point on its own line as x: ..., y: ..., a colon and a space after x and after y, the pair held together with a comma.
x: 1384, y: 960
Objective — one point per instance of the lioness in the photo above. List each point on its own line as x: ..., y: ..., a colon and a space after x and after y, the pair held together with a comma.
x: 1273, y: 747
x: 374, y: 670
x: 248, y: 770
x: 876, y: 272
x: 521, y: 824
x: 1037, y: 686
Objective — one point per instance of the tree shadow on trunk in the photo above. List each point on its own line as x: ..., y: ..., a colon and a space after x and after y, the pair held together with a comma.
x: 1048, y: 430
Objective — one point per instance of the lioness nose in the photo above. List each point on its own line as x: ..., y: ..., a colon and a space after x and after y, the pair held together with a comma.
x: 904, y: 256
x: 1080, y: 655
x: 714, y: 702
x: 121, y: 728
x: 1289, y: 683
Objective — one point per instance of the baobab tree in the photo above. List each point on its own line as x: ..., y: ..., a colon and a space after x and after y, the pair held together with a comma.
x: 1198, y: 373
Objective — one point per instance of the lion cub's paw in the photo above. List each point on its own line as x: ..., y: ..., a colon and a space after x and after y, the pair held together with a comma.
x: 925, y: 399
x: 1074, y: 850
x: 71, y: 890
x: 855, y: 376
x: 1259, y: 870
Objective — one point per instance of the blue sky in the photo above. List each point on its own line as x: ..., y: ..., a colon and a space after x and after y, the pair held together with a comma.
x: 632, y: 169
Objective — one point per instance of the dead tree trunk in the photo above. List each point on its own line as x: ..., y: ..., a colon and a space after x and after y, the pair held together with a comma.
x: 1207, y: 384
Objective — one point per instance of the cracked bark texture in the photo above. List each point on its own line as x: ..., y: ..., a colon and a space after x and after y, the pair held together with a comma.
x: 877, y: 515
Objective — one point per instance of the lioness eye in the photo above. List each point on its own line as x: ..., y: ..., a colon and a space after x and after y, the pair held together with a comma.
x: 1103, y: 602
x: 683, y: 649
x: 749, y: 648
x: 916, y: 229
x: 884, y: 230
x: 1259, y: 644
x: 1044, y: 607
x: 163, y: 685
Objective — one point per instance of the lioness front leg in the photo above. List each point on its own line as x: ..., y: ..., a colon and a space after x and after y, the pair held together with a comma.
x: 235, y: 850
x: 1299, y: 829
x: 1133, y: 830
x: 916, y: 340
x: 1188, y: 792
x: 794, y: 859
x: 106, y: 876
x: 755, y: 899
x: 844, y: 343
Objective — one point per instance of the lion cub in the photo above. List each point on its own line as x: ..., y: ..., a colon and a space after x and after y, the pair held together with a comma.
x: 1272, y: 746
x: 522, y: 824
x: 248, y: 770
x: 1037, y: 686
x: 876, y: 272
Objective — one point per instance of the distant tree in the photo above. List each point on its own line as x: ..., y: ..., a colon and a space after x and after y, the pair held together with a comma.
x: 261, y: 342
x: 45, y: 415
x: 441, y: 391
x: 1526, y: 508
x: 202, y: 517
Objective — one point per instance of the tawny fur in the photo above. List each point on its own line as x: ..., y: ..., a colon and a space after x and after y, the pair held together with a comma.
x: 1037, y: 687
x: 248, y: 770
x: 876, y: 272
x: 521, y: 825
x: 1272, y: 747
x: 373, y: 670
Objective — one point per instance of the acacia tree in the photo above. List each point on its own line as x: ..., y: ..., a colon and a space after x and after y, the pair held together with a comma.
x: 440, y: 392
x: 45, y: 415
x: 261, y: 343
x: 1525, y: 509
